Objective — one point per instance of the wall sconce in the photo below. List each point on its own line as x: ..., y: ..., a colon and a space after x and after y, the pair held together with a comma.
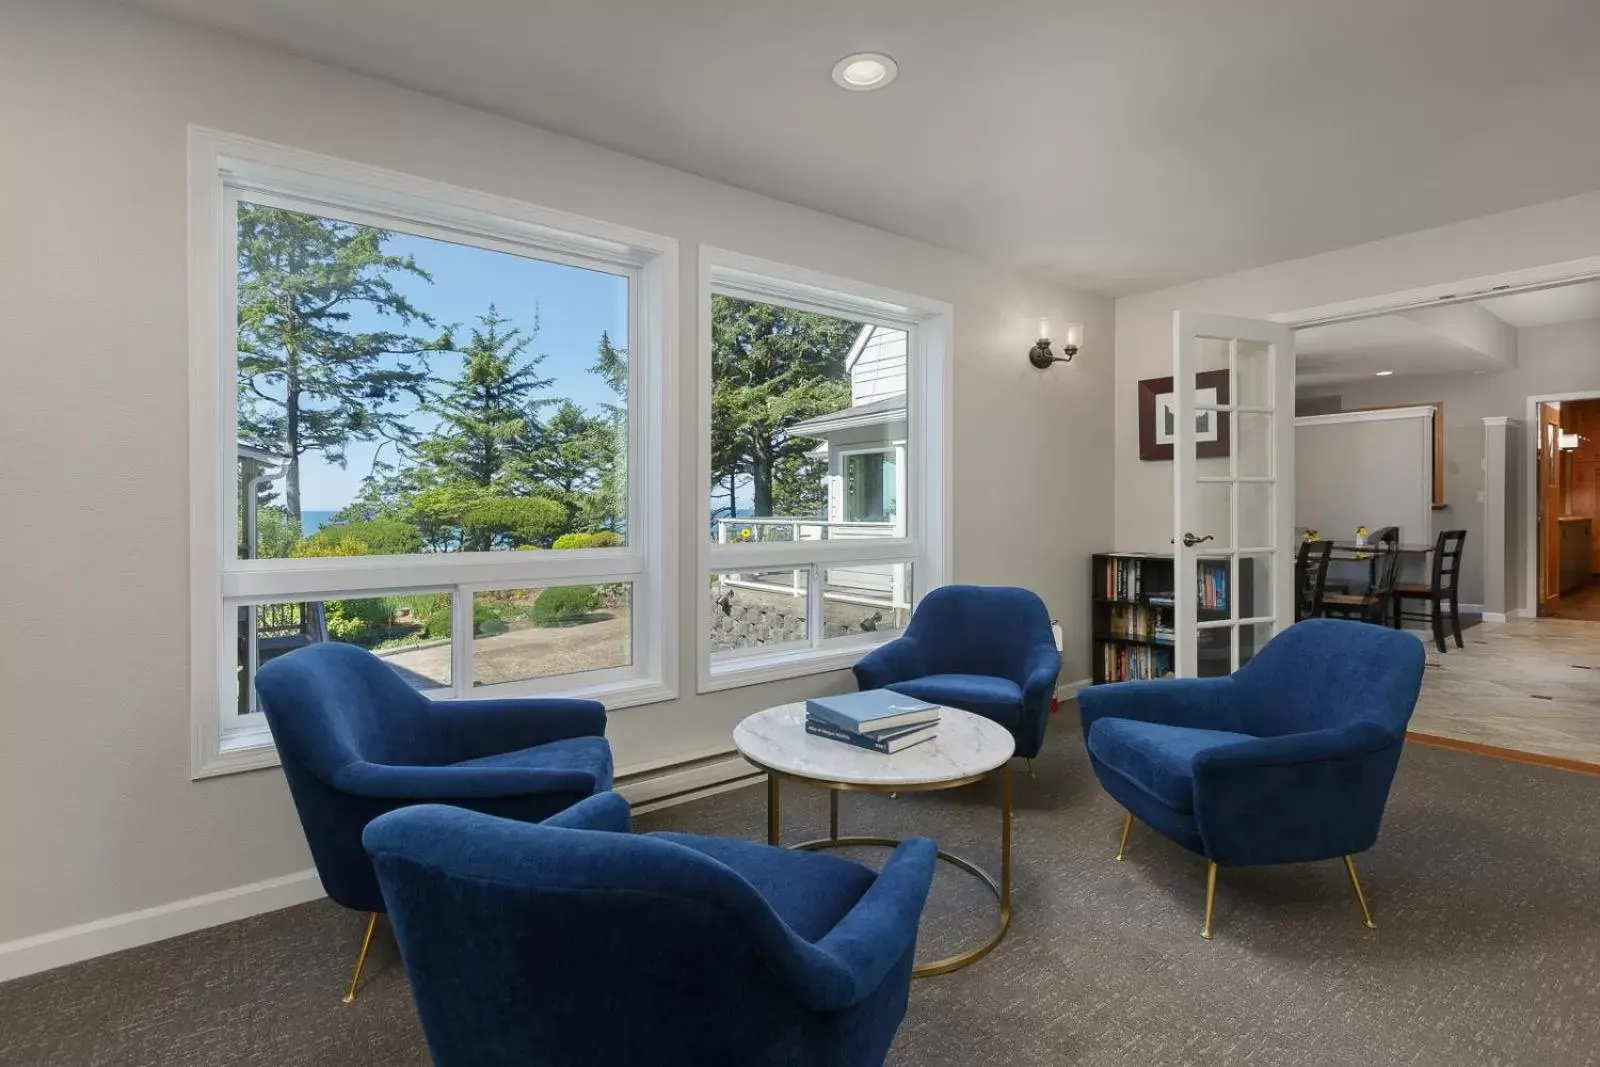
x: 1568, y: 442
x: 1041, y: 356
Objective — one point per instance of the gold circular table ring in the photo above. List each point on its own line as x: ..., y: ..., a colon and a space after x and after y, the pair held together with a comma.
x: 966, y: 749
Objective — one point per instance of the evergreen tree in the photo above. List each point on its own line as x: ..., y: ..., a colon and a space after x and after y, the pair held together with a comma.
x: 484, y: 412
x: 772, y: 367
x: 607, y: 506
x: 307, y: 382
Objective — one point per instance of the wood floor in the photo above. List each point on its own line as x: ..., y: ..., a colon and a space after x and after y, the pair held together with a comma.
x: 1583, y: 605
x: 1531, y: 685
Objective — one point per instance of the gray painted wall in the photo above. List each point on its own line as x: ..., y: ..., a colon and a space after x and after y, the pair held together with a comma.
x: 1550, y: 359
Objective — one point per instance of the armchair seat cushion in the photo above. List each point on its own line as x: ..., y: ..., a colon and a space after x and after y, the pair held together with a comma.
x: 999, y: 699
x: 589, y: 754
x: 809, y: 891
x: 1157, y: 759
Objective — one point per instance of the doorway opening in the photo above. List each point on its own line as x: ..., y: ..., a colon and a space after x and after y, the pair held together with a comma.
x: 1567, y: 507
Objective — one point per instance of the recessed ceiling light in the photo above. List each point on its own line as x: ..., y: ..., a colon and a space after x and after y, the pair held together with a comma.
x: 864, y: 71
x: 1385, y: 373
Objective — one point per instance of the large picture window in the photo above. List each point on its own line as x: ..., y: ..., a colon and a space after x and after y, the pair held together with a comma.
x: 427, y: 419
x: 823, y: 458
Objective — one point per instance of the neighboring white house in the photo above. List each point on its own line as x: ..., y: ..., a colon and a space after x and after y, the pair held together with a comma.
x: 865, y: 448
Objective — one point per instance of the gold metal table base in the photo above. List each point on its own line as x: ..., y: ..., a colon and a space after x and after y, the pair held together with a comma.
x: 1000, y: 889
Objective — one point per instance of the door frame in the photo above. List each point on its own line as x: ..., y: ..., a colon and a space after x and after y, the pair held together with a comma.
x: 1530, y: 495
x: 1467, y: 291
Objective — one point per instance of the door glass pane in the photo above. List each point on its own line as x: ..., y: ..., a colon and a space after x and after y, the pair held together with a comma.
x: 1252, y: 639
x: 521, y: 634
x: 1252, y: 444
x: 753, y: 610
x: 865, y: 598
x: 1255, y: 514
x: 1254, y: 581
x: 1253, y: 374
x: 410, y: 633
x: 1214, y: 515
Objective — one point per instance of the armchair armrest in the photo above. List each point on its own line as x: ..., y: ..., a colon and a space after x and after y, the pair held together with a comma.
x: 852, y: 959
x: 1297, y: 797
x: 1040, y: 670
x: 604, y: 811
x: 1205, y: 703
x: 378, y: 781
x: 893, y: 661
x: 471, y: 729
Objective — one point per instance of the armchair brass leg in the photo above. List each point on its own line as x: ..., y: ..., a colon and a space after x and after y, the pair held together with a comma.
x: 1361, y: 898
x: 1127, y: 824
x: 1030, y: 768
x: 361, y: 959
x: 1211, y: 896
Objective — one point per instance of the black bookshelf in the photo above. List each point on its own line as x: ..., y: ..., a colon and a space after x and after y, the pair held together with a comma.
x: 1132, y: 615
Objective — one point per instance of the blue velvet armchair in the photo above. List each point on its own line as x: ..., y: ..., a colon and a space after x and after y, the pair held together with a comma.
x: 1288, y: 760
x: 356, y: 741
x: 576, y: 944
x: 984, y: 649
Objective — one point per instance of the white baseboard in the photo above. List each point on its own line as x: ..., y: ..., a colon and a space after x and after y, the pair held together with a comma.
x: 649, y: 788
x: 1067, y: 690
x: 1495, y: 616
x: 73, y: 944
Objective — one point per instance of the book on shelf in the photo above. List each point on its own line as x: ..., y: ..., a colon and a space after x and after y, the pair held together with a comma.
x: 871, y: 711
x: 887, y: 742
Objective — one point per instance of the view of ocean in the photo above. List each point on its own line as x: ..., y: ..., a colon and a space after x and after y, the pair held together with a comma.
x: 312, y: 521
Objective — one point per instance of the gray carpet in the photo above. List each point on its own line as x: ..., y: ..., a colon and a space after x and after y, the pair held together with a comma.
x: 1484, y: 889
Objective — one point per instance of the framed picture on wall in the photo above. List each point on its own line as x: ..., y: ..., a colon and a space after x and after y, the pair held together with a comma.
x: 1157, y: 420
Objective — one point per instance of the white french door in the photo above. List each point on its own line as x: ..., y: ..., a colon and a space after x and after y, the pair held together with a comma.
x: 1232, y: 430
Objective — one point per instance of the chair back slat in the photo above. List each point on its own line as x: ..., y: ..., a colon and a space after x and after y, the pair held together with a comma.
x: 1447, y: 560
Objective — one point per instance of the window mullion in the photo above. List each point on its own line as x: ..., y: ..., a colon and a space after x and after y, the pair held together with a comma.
x: 461, y: 631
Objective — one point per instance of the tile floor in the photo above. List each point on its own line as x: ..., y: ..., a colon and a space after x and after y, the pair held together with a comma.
x: 1528, y: 684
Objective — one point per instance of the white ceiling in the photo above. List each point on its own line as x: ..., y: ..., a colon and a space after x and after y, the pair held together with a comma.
x: 1547, y: 307
x: 1356, y: 351
x: 1118, y: 146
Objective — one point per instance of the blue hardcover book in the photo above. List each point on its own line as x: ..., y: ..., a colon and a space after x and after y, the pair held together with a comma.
x: 903, y: 738
x: 872, y: 710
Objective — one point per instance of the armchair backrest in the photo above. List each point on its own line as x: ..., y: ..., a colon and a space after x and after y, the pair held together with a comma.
x: 532, y: 944
x: 331, y: 704
x: 979, y: 629
x: 1324, y: 673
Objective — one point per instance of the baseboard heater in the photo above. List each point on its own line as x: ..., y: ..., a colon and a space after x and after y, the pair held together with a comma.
x: 704, y: 775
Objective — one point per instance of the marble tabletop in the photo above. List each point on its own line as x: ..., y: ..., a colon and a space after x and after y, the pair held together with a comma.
x: 964, y: 745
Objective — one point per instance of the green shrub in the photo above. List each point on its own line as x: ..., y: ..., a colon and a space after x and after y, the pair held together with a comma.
x: 430, y: 612
x: 357, y: 622
x: 597, y: 539
x: 564, y: 604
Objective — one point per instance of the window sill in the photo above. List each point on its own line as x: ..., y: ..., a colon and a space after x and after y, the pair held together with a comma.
x: 250, y: 748
x: 796, y: 663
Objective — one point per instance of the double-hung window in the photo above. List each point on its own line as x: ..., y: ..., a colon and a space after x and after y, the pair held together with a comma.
x: 429, y: 423
x: 823, y: 449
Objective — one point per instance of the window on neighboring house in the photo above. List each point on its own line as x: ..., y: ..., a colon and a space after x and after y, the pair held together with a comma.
x: 824, y: 460
x: 430, y: 413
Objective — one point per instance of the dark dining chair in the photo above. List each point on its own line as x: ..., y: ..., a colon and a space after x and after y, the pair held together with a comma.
x: 1372, y: 604
x: 1440, y: 592
x: 1310, y: 578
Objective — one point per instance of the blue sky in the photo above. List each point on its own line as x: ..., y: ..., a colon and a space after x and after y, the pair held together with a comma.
x: 571, y: 305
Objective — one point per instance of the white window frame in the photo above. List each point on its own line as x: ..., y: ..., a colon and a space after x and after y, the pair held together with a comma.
x: 221, y: 165
x: 926, y: 544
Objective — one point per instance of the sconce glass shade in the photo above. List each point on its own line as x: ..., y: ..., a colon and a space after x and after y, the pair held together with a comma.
x: 1568, y: 442
x: 1074, y: 335
x: 1044, y: 330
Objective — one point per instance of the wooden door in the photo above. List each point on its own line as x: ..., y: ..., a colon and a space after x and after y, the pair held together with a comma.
x: 1549, y: 502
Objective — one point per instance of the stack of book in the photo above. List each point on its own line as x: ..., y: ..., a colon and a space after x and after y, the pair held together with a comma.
x: 877, y: 719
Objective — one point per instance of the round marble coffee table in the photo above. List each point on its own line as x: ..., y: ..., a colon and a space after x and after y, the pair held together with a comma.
x: 966, y: 748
